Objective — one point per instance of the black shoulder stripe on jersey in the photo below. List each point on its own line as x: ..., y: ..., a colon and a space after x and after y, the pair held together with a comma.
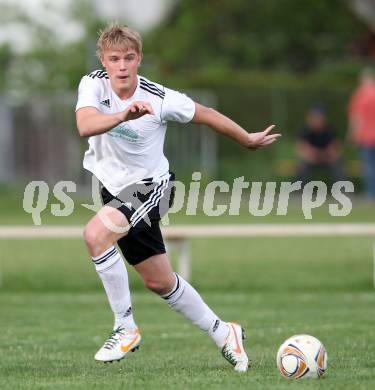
x: 93, y: 74
x: 152, y: 86
x: 102, y: 75
x: 99, y: 74
x: 151, y: 91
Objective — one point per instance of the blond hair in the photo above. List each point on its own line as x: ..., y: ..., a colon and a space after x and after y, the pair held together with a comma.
x: 118, y: 36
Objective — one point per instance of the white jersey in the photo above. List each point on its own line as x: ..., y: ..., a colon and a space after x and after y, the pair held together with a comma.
x: 132, y: 150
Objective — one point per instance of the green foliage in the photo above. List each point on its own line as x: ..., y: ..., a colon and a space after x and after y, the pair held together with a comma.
x: 266, y: 61
x: 48, y: 64
x: 5, y: 60
x: 267, y: 34
x: 214, y: 42
x: 48, y: 68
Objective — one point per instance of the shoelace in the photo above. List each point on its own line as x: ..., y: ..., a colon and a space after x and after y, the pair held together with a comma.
x: 229, y: 356
x: 113, y: 338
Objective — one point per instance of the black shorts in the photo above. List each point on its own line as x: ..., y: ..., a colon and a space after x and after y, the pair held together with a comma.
x: 143, y: 205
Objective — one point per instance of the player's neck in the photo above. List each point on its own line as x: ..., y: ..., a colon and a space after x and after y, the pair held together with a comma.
x: 125, y: 93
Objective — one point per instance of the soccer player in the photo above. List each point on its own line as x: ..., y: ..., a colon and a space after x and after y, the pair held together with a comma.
x: 125, y: 115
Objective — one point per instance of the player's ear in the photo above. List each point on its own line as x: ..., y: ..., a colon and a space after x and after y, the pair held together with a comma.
x: 101, y: 58
x: 140, y: 57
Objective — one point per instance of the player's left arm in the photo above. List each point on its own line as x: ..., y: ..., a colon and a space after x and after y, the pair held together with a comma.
x: 224, y: 125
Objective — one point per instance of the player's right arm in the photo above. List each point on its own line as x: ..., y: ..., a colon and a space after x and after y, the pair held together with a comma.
x: 90, y: 121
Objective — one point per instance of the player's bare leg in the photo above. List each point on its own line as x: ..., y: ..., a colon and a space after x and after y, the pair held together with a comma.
x: 98, y: 234
x: 100, y: 240
x: 158, y: 276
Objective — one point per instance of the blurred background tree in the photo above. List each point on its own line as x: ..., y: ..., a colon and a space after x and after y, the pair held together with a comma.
x: 284, y: 36
x: 262, y: 42
x: 261, y: 34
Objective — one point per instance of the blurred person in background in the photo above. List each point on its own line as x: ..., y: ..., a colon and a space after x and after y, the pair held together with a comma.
x: 362, y: 127
x: 318, y: 147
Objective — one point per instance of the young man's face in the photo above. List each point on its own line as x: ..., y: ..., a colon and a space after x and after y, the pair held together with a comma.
x: 122, y: 67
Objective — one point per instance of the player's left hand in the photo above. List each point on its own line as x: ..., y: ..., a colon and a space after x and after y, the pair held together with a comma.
x: 261, y: 139
x: 137, y: 109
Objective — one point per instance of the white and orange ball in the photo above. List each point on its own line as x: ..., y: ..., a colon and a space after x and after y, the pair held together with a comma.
x: 302, y: 356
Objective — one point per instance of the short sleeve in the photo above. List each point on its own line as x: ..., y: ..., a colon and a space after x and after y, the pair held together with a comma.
x: 177, y: 107
x: 88, y: 93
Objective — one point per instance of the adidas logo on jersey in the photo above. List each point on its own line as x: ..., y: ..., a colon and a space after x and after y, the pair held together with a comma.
x: 106, y: 103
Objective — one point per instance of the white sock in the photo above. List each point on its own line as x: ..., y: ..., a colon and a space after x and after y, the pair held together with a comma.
x: 185, y: 300
x: 112, y: 271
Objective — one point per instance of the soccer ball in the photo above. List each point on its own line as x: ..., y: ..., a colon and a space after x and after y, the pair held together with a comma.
x: 302, y: 356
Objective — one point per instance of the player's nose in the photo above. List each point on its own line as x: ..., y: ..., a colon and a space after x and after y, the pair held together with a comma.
x: 122, y: 64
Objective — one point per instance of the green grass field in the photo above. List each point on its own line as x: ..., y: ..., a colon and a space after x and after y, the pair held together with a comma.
x: 54, y: 316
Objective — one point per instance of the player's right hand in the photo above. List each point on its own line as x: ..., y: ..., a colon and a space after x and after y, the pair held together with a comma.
x: 262, y: 138
x: 137, y: 110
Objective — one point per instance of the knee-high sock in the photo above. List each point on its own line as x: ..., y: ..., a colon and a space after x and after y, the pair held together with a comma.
x: 185, y: 299
x: 112, y: 271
